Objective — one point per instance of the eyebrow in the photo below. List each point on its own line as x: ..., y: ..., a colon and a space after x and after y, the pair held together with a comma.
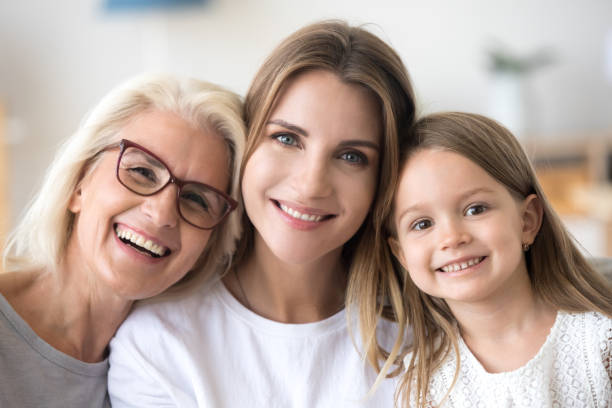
x: 344, y: 143
x: 460, y: 198
x: 287, y: 125
x: 153, y: 161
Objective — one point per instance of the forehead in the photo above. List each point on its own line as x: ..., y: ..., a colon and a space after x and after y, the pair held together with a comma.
x: 320, y: 101
x: 433, y: 174
x: 189, y: 152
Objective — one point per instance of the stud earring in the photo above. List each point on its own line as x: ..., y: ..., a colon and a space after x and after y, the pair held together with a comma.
x: 525, y: 247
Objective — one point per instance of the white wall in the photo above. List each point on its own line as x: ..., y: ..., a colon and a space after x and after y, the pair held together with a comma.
x: 58, y: 58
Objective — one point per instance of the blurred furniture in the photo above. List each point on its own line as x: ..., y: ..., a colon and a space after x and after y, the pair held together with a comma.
x: 576, y: 174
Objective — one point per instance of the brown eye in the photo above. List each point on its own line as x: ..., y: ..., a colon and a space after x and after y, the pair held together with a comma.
x: 475, y: 209
x: 421, y: 225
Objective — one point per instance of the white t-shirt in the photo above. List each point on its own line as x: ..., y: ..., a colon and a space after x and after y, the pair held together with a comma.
x: 571, y: 369
x: 208, y: 350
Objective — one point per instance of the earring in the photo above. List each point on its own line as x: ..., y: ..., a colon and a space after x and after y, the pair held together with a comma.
x: 525, y: 247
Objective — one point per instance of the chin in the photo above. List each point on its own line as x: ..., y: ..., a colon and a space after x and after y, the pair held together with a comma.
x: 299, y: 256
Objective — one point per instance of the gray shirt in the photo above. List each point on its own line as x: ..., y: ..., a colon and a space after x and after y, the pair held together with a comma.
x: 34, y: 374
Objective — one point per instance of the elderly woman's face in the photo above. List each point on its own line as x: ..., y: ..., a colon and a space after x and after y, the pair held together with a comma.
x: 138, y: 246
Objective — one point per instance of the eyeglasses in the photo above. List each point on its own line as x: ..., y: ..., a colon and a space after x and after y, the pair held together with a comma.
x: 143, y: 173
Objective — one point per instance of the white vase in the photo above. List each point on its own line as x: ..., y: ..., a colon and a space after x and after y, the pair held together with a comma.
x: 507, y: 102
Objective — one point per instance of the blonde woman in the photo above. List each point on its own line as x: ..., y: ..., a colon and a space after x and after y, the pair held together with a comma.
x: 505, y: 309
x: 323, y: 116
x: 138, y: 199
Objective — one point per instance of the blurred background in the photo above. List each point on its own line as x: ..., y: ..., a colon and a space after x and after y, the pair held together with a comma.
x: 543, y: 68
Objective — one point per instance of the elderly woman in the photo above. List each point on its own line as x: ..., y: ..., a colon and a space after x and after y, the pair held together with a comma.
x: 136, y: 201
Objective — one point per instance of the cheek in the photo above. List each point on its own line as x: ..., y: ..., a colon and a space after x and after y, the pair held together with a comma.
x: 194, y: 243
x: 359, y: 190
x: 258, y: 171
x: 505, y: 231
x: 416, y: 259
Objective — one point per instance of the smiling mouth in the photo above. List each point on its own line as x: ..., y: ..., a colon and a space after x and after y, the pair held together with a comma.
x: 302, y: 216
x: 140, y: 243
x: 459, y: 266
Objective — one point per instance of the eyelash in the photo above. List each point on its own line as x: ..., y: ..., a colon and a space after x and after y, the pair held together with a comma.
x: 361, y: 159
x: 278, y: 136
x: 414, y: 225
x: 482, y: 208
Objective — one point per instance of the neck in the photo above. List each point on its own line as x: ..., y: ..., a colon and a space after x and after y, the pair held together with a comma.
x: 289, y: 293
x: 66, y: 310
x: 513, y: 320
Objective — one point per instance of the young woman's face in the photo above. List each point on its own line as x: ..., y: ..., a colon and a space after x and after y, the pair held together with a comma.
x: 310, y: 183
x: 460, y: 231
x: 113, y: 224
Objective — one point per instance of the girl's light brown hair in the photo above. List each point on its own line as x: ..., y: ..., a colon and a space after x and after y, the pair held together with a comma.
x: 559, y: 273
x: 357, y: 57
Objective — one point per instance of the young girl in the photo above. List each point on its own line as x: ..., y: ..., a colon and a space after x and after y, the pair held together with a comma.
x: 505, y: 309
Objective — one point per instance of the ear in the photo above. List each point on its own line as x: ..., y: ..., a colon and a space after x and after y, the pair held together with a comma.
x: 532, y: 218
x: 76, y: 199
x: 396, y: 250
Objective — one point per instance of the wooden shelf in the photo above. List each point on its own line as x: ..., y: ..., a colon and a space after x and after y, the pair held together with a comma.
x: 575, y: 172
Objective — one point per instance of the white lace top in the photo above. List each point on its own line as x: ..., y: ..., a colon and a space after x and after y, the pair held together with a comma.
x: 571, y: 369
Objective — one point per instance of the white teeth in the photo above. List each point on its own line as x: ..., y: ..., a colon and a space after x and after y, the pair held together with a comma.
x: 140, y: 241
x: 299, y: 215
x: 463, y: 265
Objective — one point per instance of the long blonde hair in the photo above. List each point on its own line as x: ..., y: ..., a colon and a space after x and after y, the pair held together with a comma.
x: 40, y: 239
x: 558, y: 272
x: 357, y: 57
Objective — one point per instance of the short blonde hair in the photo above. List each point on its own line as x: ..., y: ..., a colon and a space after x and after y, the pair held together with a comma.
x: 41, y: 237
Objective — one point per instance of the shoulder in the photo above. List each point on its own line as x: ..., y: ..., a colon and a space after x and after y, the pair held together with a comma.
x: 585, y: 320
x: 582, y: 327
x: 590, y: 333
x: 169, y: 315
x: 151, y: 350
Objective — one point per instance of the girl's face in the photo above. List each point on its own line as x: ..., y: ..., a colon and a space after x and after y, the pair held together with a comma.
x: 310, y: 183
x: 460, y: 232
x: 113, y: 224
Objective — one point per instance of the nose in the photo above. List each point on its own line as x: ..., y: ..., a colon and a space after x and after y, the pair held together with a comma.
x: 313, y: 178
x: 161, y: 207
x: 454, y: 235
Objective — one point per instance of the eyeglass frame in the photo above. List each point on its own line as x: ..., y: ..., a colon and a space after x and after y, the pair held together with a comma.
x: 124, y: 144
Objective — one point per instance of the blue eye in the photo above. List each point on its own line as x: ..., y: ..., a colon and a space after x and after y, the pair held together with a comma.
x: 354, y: 157
x: 475, y: 209
x: 286, y: 139
x: 421, y: 225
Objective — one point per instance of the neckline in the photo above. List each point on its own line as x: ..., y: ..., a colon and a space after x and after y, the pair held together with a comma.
x: 464, y: 349
x: 330, y: 324
x: 44, y: 349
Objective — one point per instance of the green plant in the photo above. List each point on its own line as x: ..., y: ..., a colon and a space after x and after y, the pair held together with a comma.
x: 503, y: 61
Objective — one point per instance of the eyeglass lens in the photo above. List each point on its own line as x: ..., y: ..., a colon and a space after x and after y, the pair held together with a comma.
x: 145, y: 175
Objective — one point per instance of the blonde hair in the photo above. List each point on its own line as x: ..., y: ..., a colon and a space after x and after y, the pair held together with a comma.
x: 558, y: 272
x: 40, y: 239
x: 357, y: 57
